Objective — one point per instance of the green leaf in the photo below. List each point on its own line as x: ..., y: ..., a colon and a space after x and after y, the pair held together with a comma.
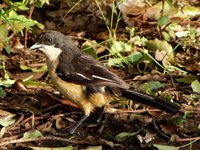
x: 20, y: 6
x: 170, y: 2
x: 196, y: 86
x: 6, y: 118
x: 32, y: 134
x: 94, y: 148
x: 166, y: 36
x: 3, y: 36
x: 178, y: 120
x: 189, y: 114
x: 188, y: 12
x: 150, y: 86
x: 165, y: 147
x: 191, y: 11
x: 154, y: 85
x: 188, y: 79
x: 3, y: 31
x: 7, y: 83
x: 163, y: 20
x: 8, y: 49
x: 138, y: 41
x: 19, y: 22
x: 124, y: 135
x: 24, y: 67
x: 12, y: 13
x: 171, y: 33
x: 6, y: 123
x: 115, y: 61
x: 2, y: 93
x: 35, y: 83
x: 89, y: 50
x: 40, y: 3
x: 119, y: 46
x: 39, y: 25
x: 161, y: 45
x: 41, y: 69
x: 132, y: 58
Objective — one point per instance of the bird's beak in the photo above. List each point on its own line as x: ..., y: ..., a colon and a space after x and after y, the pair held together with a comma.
x: 36, y: 46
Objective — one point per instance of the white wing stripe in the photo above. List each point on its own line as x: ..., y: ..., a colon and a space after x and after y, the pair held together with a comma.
x: 82, y: 76
x: 101, y: 78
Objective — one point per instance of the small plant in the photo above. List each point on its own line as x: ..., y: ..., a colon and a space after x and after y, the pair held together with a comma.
x: 11, y: 22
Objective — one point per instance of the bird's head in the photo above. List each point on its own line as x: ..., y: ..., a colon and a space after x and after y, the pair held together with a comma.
x: 50, y: 43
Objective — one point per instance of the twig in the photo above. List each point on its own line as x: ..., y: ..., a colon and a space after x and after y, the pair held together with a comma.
x: 187, y: 139
x: 22, y: 140
x: 26, y: 31
x: 5, y: 139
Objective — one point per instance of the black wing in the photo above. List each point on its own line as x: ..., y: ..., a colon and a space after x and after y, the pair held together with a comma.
x: 83, y: 69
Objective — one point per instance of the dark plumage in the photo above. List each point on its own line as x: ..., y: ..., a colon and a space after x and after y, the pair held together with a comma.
x: 84, y: 81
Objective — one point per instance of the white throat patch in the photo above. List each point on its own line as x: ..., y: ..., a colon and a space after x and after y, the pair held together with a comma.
x: 51, y: 52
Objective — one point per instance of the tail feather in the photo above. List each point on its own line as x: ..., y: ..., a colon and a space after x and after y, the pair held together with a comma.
x: 151, y: 101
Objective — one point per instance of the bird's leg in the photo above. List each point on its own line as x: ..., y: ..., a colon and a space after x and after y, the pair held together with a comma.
x: 73, y: 128
x: 101, y: 115
x: 103, y: 124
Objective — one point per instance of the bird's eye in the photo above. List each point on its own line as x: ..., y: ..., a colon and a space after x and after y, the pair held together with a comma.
x: 49, y: 40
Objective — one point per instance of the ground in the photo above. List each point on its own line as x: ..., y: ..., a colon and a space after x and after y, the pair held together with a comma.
x: 34, y: 115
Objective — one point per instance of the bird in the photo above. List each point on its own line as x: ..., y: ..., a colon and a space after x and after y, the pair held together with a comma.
x: 84, y: 80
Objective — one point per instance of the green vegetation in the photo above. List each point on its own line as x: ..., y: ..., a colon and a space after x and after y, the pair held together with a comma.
x: 154, y: 43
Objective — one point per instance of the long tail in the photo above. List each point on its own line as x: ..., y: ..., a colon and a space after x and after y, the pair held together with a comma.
x: 151, y: 101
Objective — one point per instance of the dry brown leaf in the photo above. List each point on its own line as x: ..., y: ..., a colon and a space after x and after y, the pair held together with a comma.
x: 168, y: 128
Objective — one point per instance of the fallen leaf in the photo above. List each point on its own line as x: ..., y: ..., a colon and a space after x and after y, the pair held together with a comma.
x: 19, y: 85
x: 32, y: 134
x: 188, y: 79
x: 6, y: 118
x: 161, y: 45
x: 165, y: 147
x: 52, y: 148
x: 124, y: 135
